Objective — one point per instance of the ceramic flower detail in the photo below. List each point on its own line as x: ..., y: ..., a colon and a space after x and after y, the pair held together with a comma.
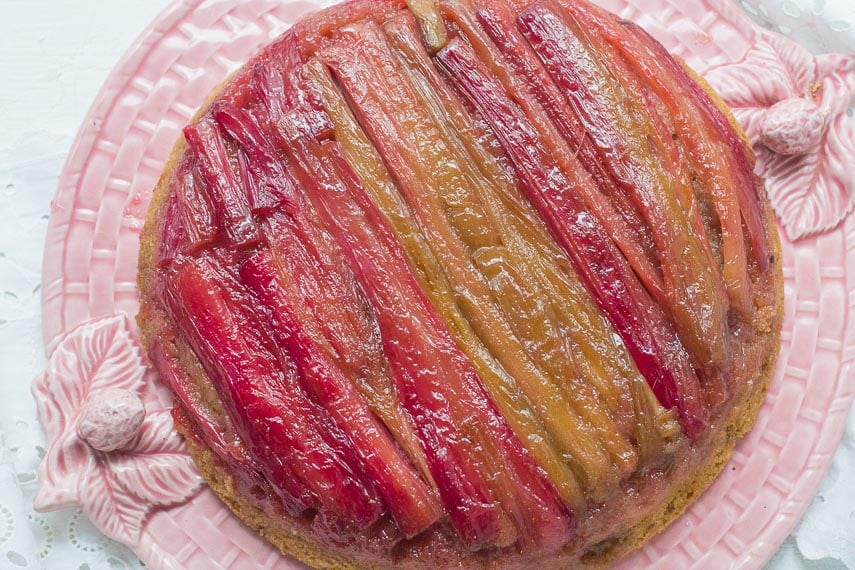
x: 793, y: 107
x: 108, y: 452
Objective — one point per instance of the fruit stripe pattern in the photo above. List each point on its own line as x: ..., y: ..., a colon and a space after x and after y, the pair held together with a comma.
x: 459, y: 272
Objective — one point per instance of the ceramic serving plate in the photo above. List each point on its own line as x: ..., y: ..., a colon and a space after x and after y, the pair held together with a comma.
x: 150, y: 496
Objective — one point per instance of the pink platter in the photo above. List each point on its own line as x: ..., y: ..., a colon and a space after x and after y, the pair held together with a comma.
x: 149, y: 495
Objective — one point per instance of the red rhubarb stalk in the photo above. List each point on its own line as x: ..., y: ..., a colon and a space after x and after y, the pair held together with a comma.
x: 189, y: 220
x: 218, y: 433
x: 313, y: 263
x: 228, y: 200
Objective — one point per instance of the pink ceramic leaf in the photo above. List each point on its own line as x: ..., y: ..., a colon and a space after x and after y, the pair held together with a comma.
x: 812, y: 192
x: 116, y: 358
x: 61, y: 473
x: 837, y: 79
x: 751, y: 120
x: 117, y: 490
x: 794, y: 103
x: 100, y: 352
x: 836, y: 64
x: 158, y: 435
x: 117, y: 513
x: 96, y: 354
x: 799, y: 63
x: 58, y: 391
x: 761, y: 79
x: 158, y: 469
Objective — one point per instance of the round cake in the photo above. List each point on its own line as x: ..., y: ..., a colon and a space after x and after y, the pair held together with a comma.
x: 467, y: 284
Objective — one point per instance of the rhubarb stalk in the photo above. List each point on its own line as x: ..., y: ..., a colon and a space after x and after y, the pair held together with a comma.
x: 266, y: 402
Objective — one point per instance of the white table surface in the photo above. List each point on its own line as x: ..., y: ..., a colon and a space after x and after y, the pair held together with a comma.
x: 54, y: 56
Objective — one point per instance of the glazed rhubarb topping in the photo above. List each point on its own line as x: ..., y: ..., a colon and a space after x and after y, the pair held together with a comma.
x: 456, y: 269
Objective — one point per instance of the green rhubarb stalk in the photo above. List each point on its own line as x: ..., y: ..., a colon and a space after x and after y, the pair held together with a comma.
x: 430, y: 20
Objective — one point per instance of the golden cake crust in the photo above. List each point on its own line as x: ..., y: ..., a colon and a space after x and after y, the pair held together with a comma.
x: 684, y: 484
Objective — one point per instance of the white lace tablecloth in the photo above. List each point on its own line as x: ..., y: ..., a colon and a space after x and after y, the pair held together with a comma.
x: 54, y: 55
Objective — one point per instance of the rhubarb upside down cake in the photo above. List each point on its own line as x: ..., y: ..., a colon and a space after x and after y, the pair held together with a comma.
x: 460, y: 283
